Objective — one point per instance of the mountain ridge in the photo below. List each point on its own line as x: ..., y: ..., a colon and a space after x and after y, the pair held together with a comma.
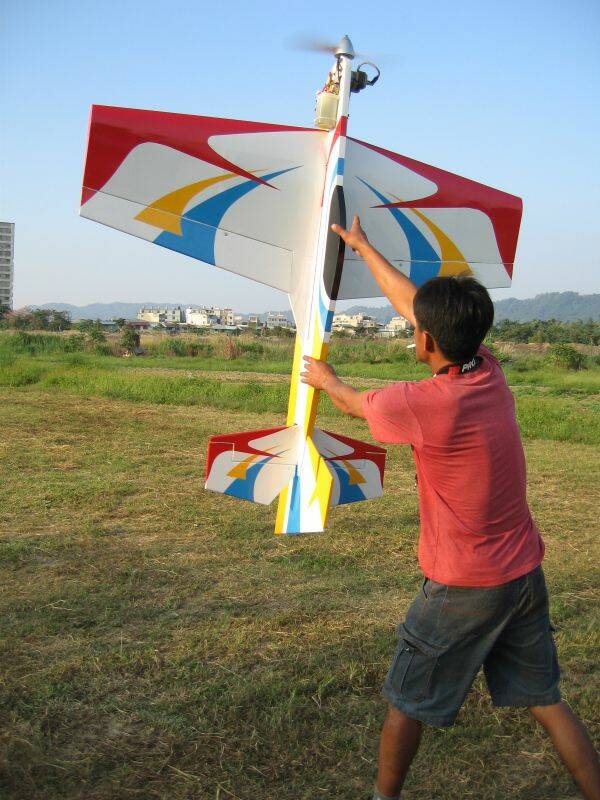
x: 563, y: 306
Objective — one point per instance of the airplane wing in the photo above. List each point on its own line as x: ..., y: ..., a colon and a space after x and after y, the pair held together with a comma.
x: 426, y: 221
x: 238, y: 195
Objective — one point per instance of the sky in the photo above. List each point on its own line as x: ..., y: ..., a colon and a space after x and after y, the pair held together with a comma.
x: 505, y: 93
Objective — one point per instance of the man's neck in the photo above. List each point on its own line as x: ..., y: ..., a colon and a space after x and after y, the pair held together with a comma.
x: 438, y: 362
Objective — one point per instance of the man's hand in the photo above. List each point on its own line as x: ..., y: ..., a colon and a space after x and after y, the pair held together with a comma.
x: 393, y: 284
x: 316, y: 373
x: 320, y: 375
x: 355, y: 238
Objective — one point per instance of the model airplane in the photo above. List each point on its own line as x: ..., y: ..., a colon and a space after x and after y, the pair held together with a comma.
x: 259, y: 200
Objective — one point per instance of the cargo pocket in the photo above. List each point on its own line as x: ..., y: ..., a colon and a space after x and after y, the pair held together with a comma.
x: 413, y: 667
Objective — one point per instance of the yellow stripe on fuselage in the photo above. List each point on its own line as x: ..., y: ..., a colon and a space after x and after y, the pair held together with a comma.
x: 319, y: 351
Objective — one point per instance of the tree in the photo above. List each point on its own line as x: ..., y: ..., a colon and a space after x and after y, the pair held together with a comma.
x: 130, y: 340
x: 565, y: 356
x: 58, y: 320
x: 96, y: 335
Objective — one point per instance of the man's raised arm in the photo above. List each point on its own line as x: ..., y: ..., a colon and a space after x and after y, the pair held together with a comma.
x: 398, y: 289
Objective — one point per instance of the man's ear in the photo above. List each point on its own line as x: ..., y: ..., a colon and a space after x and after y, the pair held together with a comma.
x: 429, y: 343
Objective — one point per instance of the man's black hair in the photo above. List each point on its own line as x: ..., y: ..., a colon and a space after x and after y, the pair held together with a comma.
x: 457, y: 312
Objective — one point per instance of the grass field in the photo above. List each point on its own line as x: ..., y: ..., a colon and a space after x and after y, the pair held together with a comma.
x: 158, y: 642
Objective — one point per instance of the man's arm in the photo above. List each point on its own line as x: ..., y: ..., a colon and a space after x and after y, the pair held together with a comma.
x: 398, y: 289
x: 321, y: 376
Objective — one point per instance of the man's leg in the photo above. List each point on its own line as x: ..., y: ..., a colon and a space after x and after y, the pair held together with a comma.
x: 573, y: 745
x: 400, y: 737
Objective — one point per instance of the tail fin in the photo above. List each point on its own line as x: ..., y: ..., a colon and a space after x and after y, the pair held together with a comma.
x: 310, y: 474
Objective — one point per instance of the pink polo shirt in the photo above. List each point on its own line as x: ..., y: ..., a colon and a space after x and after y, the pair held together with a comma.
x: 476, y: 527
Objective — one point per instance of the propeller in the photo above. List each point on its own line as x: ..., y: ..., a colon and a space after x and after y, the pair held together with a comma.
x: 310, y: 43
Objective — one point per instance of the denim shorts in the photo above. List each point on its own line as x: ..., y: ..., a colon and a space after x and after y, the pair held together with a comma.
x: 450, y: 632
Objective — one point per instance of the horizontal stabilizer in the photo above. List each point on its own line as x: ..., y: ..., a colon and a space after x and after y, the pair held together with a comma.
x: 312, y: 474
x: 253, y: 466
x: 357, y: 467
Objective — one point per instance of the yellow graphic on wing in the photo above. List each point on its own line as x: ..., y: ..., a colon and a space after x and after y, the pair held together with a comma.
x: 354, y: 475
x: 165, y: 213
x: 453, y: 261
x: 239, y: 471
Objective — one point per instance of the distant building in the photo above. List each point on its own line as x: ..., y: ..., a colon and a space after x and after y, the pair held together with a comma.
x: 198, y: 317
x: 276, y: 319
x: 206, y: 317
x: 161, y: 315
x: 226, y: 316
x: 397, y: 326
x: 253, y: 319
x: 225, y: 329
x: 139, y: 325
x: 109, y: 325
x: 353, y: 322
x: 7, y: 252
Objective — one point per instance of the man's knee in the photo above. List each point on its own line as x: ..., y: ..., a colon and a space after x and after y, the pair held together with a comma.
x: 545, y: 714
x: 398, y: 719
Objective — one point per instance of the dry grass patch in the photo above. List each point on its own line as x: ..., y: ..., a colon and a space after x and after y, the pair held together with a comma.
x: 158, y: 642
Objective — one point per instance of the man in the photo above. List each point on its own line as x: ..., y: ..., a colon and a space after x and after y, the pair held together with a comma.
x: 484, y: 600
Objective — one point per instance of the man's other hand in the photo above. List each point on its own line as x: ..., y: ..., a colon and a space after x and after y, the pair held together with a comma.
x: 316, y: 373
x: 355, y: 238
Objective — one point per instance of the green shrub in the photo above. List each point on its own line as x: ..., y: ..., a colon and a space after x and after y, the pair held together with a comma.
x: 96, y: 335
x: 19, y: 375
x: 37, y: 344
x: 565, y: 356
x: 130, y: 339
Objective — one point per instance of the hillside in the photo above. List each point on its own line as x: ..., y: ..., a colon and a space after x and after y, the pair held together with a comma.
x: 563, y: 306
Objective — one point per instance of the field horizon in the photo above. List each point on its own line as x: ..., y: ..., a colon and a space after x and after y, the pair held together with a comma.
x: 157, y: 641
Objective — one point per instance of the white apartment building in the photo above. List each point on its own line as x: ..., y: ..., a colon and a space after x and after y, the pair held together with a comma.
x: 203, y: 317
x: 158, y: 315
x: 353, y: 321
x: 7, y: 253
x: 199, y: 317
x: 277, y: 320
x: 399, y: 324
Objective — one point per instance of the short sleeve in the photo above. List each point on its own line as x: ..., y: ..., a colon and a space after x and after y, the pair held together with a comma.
x: 390, y: 417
